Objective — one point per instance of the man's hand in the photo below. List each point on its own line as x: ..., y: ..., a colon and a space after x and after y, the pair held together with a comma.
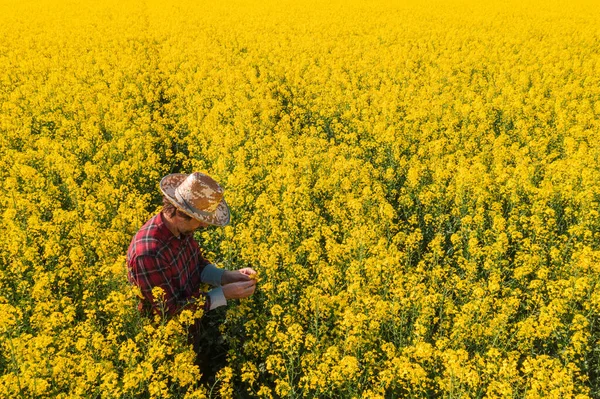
x: 240, y: 289
x: 238, y: 283
x: 237, y: 276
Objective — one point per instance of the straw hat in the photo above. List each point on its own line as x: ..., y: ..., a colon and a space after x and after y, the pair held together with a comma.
x: 198, y: 196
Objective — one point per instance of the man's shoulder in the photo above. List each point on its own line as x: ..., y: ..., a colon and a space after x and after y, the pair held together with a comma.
x: 145, y: 245
x: 149, y: 240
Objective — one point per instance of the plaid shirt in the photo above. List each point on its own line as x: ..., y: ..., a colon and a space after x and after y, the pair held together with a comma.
x: 156, y: 258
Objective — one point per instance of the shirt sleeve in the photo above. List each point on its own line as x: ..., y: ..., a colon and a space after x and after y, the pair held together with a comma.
x: 212, y: 275
x: 217, y: 298
x: 149, y: 272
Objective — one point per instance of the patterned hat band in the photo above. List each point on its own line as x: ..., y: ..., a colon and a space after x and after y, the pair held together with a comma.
x: 191, y: 207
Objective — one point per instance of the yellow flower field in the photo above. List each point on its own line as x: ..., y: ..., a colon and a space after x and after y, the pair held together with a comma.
x: 417, y: 184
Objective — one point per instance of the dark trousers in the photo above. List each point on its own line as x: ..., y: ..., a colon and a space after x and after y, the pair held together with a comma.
x: 209, y: 345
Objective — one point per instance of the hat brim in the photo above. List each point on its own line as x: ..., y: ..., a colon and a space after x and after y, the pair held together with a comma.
x: 168, y: 185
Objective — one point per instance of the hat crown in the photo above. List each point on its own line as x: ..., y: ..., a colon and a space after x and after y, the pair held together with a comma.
x: 201, y: 192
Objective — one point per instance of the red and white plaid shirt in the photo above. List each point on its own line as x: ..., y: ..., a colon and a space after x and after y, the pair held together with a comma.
x: 157, y: 258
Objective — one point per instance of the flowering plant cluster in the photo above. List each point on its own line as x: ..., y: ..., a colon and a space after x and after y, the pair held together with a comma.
x: 417, y: 185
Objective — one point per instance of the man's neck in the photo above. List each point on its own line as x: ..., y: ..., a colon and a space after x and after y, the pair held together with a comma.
x: 171, y: 225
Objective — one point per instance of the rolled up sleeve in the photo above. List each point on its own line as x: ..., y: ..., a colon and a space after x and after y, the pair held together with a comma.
x: 212, y: 275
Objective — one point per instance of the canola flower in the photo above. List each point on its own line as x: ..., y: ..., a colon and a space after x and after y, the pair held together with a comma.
x: 417, y: 184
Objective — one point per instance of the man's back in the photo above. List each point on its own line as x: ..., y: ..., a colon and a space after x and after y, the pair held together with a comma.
x: 157, y: 258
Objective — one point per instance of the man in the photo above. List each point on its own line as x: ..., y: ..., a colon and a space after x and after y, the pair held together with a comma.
x: 164, y: 254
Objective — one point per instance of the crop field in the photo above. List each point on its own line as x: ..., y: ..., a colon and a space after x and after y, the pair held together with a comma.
x: 417, y: 184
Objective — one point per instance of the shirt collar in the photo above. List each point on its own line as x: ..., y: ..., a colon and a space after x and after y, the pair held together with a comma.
x: 162, y: 227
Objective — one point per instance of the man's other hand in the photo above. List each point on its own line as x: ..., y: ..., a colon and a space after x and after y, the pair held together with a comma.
x: 237, y: 276
x: 240, y: 289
